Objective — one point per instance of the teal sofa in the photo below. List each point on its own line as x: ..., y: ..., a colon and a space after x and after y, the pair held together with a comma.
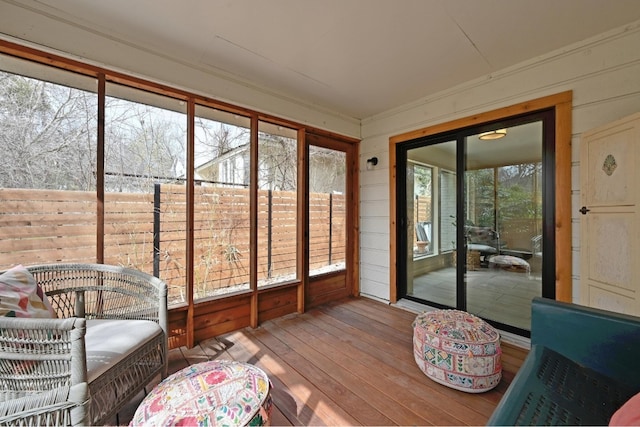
x: 584, y: 364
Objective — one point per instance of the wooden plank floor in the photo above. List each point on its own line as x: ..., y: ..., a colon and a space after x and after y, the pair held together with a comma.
x: 347, y: 363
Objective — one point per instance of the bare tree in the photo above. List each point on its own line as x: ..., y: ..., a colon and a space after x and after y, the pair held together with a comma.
x: 48, y: 139
x: 327, y: 171
x: 143, y: 145
x: 47, y: 135
x: 278, y: 162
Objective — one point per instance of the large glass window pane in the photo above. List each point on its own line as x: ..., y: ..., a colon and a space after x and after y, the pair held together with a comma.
x: 48, y: 123
x: 503, y: 206
x: 221, y: 203
x: 327, y: 210
x: 277, y: 204
x: 145, y: 152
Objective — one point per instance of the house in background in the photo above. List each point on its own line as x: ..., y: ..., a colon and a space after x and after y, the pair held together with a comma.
x: 229, y: 169
x: 474, y: 75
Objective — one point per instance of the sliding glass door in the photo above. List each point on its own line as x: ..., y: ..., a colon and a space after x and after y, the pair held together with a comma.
x: 477, y: 216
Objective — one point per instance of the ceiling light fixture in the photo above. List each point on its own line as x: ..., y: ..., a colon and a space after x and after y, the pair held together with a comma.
x: 494, y: 134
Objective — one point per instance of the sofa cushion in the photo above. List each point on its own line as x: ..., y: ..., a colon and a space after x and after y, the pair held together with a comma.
x: 109, y: 341
x: 550, y: 389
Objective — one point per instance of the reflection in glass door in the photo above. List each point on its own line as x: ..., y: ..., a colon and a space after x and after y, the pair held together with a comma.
x: 430, y: 216
x: 474, y: 220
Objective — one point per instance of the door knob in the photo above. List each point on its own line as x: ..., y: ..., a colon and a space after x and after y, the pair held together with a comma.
x: 584, y: 210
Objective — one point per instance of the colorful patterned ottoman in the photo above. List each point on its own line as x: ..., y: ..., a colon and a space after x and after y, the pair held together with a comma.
x: 211, y: 393
x: 457, y: 349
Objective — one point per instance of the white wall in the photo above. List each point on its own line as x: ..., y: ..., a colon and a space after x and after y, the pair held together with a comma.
x: 602, y: 72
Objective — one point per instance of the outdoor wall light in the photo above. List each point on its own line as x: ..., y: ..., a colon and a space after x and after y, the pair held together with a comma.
x: 372, y: 161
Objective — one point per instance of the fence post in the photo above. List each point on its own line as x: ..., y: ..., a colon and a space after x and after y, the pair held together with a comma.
x: 269, y: 231
x: 330, y: 226
x: 156, y: 230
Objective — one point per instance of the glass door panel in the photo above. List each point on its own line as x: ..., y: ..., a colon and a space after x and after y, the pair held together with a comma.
x: 503, y: 223
x: 330, y: 220
x: 431, y: 223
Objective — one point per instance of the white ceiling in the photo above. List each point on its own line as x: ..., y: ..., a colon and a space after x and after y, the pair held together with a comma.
x: 354, y: 57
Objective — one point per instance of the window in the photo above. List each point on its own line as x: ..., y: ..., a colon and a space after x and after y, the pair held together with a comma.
x: 447, y: 210
x: 48, y: 128
x: 423, y: 209
x: 221, y: 203
x: 277, y: 204
x: 144, y: 179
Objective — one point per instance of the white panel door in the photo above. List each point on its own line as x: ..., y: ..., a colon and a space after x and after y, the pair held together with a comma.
x: 610, y: 267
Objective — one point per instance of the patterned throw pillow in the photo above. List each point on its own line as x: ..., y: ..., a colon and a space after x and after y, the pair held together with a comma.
x: 628, y: 414
x: 20, y: 295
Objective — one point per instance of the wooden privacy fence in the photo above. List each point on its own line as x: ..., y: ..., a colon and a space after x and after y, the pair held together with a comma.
x: 422, y: 209
x: 148, y: 232
x: 421, y: 213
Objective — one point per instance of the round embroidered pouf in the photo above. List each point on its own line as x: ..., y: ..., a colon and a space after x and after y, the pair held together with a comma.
x: 211, y: 393
x: 457, y: 349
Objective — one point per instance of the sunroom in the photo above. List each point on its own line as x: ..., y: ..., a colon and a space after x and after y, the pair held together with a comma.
x: 263, y: 182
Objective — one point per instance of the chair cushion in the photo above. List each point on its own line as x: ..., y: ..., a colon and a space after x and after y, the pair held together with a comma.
x: 109, y: 341
x: 509, y: 263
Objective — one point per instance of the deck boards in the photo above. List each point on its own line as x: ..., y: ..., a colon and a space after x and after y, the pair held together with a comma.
x: 347, y: 363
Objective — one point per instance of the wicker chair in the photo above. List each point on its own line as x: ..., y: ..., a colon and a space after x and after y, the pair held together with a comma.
x: 108, y: 342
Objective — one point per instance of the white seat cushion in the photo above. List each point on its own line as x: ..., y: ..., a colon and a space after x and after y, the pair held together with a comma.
x: 108, y: 341
x: 481, y: 248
